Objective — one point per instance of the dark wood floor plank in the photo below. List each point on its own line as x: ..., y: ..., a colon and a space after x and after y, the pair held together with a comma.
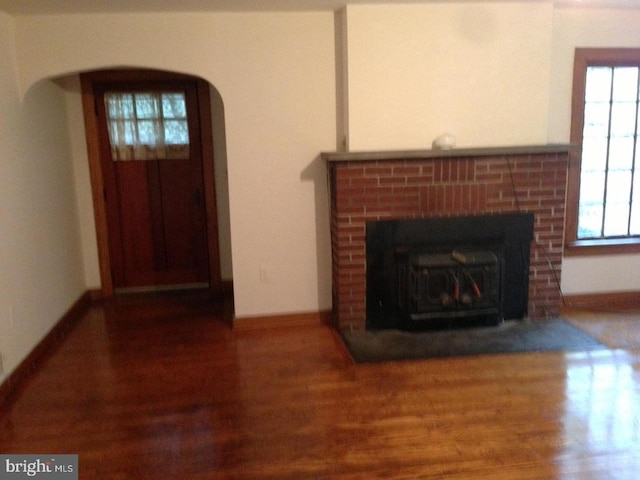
x: 161, y: 387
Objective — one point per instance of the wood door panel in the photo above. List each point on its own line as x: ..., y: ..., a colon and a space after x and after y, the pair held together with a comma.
x: 157, y: 218
x: 162, y: 223
x: 135, y: 223
x: 184, y: 219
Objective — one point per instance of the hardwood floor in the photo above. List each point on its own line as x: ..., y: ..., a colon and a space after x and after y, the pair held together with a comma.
x: 159, y: 387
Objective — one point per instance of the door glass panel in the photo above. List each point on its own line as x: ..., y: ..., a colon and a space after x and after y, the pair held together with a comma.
x: 147, y: 125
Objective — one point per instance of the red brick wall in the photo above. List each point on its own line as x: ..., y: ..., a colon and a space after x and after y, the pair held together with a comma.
x: 363, y: 191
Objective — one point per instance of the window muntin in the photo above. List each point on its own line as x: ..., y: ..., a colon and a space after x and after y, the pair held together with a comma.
x: 609, y: 204
x: 147, y: 125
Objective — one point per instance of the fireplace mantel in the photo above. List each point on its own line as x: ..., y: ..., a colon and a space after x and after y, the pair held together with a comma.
x: 368, y: 186
x: 373, y: 155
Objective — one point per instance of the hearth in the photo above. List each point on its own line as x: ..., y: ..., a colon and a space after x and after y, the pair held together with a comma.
x: 447, y: 272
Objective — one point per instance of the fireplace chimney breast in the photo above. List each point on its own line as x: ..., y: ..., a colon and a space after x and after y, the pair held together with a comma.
x: 429, y: 184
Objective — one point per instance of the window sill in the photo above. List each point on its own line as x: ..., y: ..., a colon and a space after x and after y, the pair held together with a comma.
x: 602, y: 247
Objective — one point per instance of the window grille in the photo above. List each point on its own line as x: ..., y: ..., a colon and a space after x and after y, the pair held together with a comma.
x: 147, y: 125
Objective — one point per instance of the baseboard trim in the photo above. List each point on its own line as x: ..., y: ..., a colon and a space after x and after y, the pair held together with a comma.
x: 606, y: 301
x: 96, y: 294
x: 11, y: 385
x: 289, y: 320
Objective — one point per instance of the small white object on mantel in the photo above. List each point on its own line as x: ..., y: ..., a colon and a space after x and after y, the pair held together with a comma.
x: 446, y: 141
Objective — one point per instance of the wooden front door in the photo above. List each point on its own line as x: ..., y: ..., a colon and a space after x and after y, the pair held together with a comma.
x: 151, y: 160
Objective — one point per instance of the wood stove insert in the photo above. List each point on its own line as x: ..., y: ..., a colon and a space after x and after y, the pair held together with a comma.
x: 447, y: 272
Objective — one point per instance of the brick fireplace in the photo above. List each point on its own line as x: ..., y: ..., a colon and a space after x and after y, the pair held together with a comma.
x: 420, y: 184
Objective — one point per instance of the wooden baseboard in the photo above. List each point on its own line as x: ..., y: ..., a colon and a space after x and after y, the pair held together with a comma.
x: 617, y: 301
x: 282, y: 321
x: 96, y: 294
x: 32, y: 362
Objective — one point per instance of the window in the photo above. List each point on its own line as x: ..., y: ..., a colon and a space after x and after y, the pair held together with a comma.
x: 603, y: 208
x: 147, y: 125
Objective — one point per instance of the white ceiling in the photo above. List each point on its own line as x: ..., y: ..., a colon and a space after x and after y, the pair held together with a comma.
x: 31, y: 7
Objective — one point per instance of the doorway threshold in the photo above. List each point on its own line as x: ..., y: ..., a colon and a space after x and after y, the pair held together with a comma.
x: 161, y: 288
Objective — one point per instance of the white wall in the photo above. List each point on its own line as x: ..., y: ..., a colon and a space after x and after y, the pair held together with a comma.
x: 275, y: 73
x: 40, y: 256
x: 577, y: 27
x: 477, y: 70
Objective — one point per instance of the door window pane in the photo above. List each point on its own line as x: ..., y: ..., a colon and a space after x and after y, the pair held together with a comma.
x: 147, y: 125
